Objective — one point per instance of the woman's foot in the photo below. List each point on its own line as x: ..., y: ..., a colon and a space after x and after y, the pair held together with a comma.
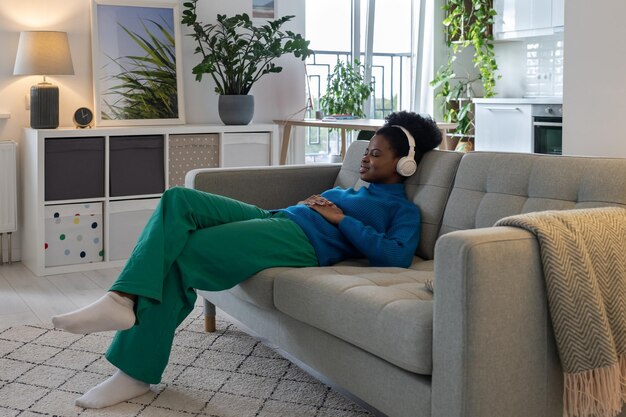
x: 111, y: 312
x: 119, y: 387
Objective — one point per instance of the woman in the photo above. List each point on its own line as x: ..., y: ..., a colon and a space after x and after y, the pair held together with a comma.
x: 196, y: 240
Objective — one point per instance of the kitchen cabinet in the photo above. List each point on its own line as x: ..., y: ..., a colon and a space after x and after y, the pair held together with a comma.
x: 87, y: 193
x: 503, y: 127
x: 558, y: 14
x: 517, y: 19
x: 510, y: 124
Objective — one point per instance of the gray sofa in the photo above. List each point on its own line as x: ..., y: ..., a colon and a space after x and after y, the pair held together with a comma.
x: 484, y: 346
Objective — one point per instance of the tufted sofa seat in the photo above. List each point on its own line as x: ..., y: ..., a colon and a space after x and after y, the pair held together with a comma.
x: 390, y: 310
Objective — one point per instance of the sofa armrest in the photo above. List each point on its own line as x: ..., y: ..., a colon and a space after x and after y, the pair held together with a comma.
x: 494, y: 352
x: 266, y: 187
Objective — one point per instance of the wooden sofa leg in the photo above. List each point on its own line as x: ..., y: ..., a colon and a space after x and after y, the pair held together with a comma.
x: 209, y: 317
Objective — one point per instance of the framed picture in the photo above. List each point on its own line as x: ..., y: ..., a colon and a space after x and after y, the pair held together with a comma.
x: 263, y: 9
x: 137, y: 63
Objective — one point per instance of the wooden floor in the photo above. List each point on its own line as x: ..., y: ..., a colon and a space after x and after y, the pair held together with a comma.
x: 26, y: 298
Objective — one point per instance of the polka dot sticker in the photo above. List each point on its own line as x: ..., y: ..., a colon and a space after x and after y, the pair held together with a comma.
x: 67, y: 239
x: 45, y: 246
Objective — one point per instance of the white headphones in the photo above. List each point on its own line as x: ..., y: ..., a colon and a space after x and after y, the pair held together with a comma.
x: 407, y: 166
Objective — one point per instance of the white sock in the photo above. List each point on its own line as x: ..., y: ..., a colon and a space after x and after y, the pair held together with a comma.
x: 119, y: 387
x: 110, y: 312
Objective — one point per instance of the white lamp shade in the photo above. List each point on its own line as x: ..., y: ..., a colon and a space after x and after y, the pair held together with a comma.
x: 43, y: 53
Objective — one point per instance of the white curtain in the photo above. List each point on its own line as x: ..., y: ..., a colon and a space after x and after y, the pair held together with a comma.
x: 368, y: 106
x: 422, y: 95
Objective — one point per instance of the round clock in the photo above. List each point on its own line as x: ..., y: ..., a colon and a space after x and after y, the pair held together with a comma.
x: 83, y: 117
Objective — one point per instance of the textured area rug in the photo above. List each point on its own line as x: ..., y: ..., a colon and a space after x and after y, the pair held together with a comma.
x: 223, y: 374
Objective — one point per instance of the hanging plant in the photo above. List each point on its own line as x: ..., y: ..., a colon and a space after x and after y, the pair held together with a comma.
x: 467, y: 23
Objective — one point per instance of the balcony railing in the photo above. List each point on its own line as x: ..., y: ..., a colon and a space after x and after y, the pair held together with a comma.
x: 391, y: 76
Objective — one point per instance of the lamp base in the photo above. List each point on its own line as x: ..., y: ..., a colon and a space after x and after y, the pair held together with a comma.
x: 44, y: 106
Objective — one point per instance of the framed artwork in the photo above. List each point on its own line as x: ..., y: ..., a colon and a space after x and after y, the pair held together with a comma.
x: 263, y: 9
x: 137, y: 63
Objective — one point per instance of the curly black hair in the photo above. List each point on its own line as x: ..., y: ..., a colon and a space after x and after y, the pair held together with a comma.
x: 423, y: 128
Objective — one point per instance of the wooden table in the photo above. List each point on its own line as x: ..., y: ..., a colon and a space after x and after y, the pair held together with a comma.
x: 343, y: 125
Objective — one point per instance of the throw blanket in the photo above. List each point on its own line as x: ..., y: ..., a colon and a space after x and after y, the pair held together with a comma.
x: 584, y: 263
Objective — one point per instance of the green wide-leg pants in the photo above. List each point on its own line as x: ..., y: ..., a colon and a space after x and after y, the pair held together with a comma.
x: 195, y: 240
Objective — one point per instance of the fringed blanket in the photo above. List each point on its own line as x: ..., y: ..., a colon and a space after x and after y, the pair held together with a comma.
x: 584, y: 264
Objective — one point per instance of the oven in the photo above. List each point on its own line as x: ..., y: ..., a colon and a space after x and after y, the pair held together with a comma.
x: 548, y: 128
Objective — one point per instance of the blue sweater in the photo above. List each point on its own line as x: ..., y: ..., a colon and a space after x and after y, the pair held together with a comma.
x: 380, y: 224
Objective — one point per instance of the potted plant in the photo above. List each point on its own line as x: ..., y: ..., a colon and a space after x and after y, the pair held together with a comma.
x: 467, y: 23
x: 346, y: 90
x: 236, y: 54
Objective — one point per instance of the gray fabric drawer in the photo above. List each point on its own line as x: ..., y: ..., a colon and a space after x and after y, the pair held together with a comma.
x: 74, y: 168
x: 136, y: 165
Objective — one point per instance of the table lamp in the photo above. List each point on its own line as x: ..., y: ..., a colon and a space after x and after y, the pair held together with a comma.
x: 43, y: 53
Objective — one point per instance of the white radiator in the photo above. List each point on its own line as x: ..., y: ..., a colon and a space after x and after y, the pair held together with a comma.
x: 8, y: 193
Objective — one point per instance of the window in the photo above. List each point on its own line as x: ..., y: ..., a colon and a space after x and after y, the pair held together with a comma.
x: 328, y: 24
x: 331, y: 28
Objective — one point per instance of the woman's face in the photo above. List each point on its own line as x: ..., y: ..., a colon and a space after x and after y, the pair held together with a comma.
x: 378, y: 164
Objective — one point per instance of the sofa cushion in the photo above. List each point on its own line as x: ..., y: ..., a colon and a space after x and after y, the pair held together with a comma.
x: 259, y: 289
x: 384, y: 311
x: 493, y: 185
x: 428, y: 188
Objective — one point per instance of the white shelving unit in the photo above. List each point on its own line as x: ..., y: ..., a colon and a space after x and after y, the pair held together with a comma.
x: 98, y: 226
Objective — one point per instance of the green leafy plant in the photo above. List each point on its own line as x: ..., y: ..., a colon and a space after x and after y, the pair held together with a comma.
x: 145, y: 87
x: 467, y: 23
x: 346, y: 90
x: 236, y: 53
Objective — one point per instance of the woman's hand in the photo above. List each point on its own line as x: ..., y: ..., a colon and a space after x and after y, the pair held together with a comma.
x: 325, y: 207
x: 316, y: 200
x: 330, y: 212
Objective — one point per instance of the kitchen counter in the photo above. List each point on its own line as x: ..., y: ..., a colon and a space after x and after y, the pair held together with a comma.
x: 519, y: 100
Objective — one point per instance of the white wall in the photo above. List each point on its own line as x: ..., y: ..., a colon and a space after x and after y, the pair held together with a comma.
x: 594, y: 104
x: 511, y: 59
x: 276, y: 95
